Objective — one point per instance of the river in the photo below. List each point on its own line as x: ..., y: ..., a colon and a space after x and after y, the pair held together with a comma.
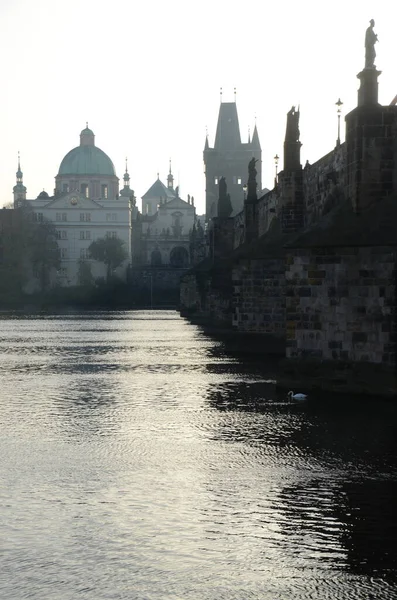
x: 142, y: 460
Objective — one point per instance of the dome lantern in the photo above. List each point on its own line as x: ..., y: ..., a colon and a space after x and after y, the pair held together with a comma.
x: 87, y: 137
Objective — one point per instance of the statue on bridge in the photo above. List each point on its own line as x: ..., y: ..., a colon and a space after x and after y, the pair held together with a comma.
x: 252, y: 173
x: 292, y: 132
x: 225, y: 207
x: 370, y: 40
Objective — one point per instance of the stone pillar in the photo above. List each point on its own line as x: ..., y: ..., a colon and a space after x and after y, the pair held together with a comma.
x: 371, y: 151
x: 368, y: 91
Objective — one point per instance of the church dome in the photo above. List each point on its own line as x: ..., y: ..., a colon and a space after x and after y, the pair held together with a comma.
x: 87, y: 159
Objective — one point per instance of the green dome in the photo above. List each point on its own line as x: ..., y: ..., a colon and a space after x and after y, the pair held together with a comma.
x: 87, y: 160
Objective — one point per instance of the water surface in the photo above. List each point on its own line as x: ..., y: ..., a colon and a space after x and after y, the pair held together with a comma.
x: 142, y: 460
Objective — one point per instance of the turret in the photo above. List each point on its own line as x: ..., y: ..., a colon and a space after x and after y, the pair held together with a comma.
x: 19, y: 189
x: 170, y: 179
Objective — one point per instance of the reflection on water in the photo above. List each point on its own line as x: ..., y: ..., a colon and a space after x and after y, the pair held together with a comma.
x: 139, y: 459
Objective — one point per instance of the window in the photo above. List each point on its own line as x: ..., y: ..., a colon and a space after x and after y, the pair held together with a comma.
x: 108, y: 216
x: 85, y: 235
x: 111, y: 234
x: 84, y: 189
x: 114, y: 217
x: 64, y: 252
x: 85, y: 216
x: 58, y: 235
x: 104, y: 190
x: 148, y: 209
x: 64, y: 217
x: 38, y: 217
x: 64, y: 235
x: 65, y: 187
x: 239, y: 180
x: 58, y: 217
x: 216, y: 181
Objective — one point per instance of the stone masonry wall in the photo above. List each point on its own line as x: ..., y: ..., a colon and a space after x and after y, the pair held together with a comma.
x: 340, y: 304
x: 258, y: 296
x: 324, y: 184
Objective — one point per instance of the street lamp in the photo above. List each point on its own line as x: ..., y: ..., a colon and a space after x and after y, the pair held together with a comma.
x: 339, y: 110
x: 245, y: 188
x: 276, y: 159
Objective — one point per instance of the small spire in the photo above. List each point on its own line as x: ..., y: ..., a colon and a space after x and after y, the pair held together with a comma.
x: 221, y: 95
x: 158, y: 175
x: 86, y: 124
x: 19, y: 161
x: 249, y: 134
x: 235, y: 95
x: 126, y: 176
x: 170, y: 179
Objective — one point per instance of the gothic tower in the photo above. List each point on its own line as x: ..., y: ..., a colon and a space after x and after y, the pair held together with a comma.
x: 229, y: 158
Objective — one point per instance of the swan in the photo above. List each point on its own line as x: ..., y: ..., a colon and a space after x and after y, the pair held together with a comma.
x: 293, y: 396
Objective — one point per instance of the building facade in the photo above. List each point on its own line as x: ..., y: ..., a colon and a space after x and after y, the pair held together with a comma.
x: 86, y: 206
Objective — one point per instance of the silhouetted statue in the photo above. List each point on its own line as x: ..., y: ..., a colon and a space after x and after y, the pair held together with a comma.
x: 225, y: 207
x: 370, y: 40
x: 292, y: 132
x: 252, y: 173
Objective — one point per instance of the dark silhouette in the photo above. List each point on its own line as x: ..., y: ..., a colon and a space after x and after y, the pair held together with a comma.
x: 370, y: 40
x: 225, y: 207
x: 252, y: 173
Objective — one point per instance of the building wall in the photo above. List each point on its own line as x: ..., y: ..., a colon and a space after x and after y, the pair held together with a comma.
x: 78, y: 222
x: 259, y: 296
x: 340, y: 304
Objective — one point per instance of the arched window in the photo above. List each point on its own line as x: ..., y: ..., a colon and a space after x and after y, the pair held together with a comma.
x: 179, y: 257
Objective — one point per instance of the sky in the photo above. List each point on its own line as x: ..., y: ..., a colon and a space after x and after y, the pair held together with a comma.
x: 147, y: 76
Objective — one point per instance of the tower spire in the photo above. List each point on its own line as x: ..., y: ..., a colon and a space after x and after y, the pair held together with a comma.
x: 170, y: 179
x: 19, y: 189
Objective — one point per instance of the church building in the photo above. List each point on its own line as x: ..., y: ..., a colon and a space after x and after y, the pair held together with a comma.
x: 86, y: 205
x: 166, y: 223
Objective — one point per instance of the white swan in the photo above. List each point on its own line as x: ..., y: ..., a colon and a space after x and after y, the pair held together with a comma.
x: 293, y: 396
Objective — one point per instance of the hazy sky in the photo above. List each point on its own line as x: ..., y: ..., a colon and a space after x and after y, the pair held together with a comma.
x: 146, y: 76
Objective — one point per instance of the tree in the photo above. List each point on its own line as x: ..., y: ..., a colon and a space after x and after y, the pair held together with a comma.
x: 25, y: 245
x: 44, y: 251
x: 84, y: 274
x: 109, y: 251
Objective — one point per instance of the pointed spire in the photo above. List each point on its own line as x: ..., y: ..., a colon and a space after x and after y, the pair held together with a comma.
x: 227, y: 137
x: 249, y: 134
x: 235, y: 95
x: 206, y: 145
x: 255, y: 139
x: 19, y: 189
x: 19, y: 173
x: 170, y: 179
x: 126, y: 176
